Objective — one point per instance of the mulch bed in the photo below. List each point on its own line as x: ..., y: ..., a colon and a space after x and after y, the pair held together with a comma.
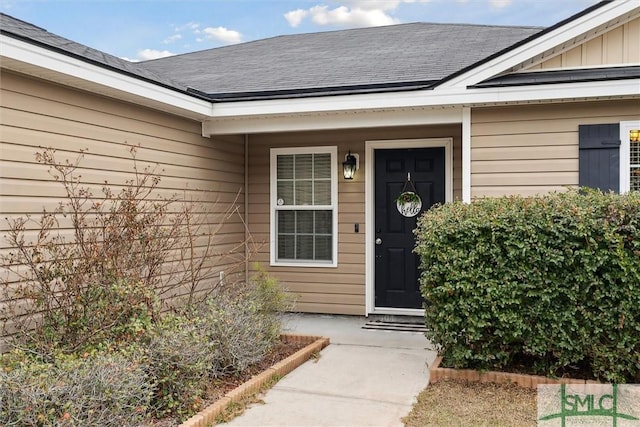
x: 221, y: 386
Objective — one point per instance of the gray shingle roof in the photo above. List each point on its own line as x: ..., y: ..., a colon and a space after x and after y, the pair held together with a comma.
x: 419, y: 53
x: 24, y: 31
x: 348, y: 61
x: 397, y: 57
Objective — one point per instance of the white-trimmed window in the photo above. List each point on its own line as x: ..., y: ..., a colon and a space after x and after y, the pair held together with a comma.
x: 304, y: 207
x: 629, y: 156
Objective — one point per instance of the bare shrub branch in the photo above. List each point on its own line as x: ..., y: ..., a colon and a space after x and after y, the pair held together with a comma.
x: 128, y: 250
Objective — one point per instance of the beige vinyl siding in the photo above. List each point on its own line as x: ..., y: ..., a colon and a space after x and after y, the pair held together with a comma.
x: 341, y: 289
x: 620, y: 46
x: 35, y: 113
x: 531, y: 150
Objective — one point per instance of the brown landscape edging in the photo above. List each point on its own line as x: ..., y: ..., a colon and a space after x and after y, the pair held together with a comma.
x: 314, y: 344
x: 436, y: 373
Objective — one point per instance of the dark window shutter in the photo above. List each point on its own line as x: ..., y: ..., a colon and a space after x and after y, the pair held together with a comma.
x: 599, y: 160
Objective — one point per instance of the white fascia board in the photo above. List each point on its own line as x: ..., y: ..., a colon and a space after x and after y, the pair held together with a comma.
x: 320, y: 104
x: 341, y: 111
x: 540, y: 93
x: 543, y: 43
x: 332, y: 120
x: 55, y: 62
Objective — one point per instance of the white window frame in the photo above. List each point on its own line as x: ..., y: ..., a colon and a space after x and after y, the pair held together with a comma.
x: 625, y: 158
x: 333, y: 151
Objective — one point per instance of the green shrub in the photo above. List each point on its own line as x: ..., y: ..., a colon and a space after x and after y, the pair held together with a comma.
x: 245, y: 324
x: 101, y: 390
x: 100, y: 314
x: 179, y: 358
x: 553, y: 281
x: 163, y: 374
x: 222, y: 335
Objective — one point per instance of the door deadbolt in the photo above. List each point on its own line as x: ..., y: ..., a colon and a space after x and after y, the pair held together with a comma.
x: 378, y: 241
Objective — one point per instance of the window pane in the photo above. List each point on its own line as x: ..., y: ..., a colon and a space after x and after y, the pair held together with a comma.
x: 286, y: 246
x: 324, y: 224
x: 305, y: 235
x: 285, y: 192
x: 285, y: 167
x: 305, y: 222
x: 304, y: 248
x: 322, y: 166
x: 322, y: 193
x: 635, y: 179
x: 323, y: 248
x: 286, y: 222
x: 634, y: 153
x: 304, y: 195
x: 304, y: 166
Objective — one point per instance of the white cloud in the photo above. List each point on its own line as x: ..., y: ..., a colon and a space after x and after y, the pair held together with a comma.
x: 379, y: 4
x: 499, y: 4
x: 294, y: 17
x: 147, y: 54
x: 189, y: 26
x: 223, y: 34
x: 171, y: 39
x: 322, y: 15
x: 352, y: 13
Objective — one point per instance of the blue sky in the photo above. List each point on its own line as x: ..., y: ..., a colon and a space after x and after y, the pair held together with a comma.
x: 148, y: 29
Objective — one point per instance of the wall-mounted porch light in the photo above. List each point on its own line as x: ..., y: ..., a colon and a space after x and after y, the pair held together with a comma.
x: 634, y: 135
x: 350, y: 165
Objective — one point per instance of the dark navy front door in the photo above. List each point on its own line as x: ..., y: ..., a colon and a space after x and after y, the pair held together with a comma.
x: 396, y: 266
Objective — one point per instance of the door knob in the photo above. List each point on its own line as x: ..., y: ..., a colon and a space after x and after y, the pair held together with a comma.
x: 378, y: 241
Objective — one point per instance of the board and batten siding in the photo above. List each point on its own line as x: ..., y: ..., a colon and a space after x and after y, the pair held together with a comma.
x: 531, y: 150
x: 35, y: 114
x: 341, y: 289
x: 620, y: 46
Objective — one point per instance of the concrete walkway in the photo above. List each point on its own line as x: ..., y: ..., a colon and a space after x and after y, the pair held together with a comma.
x: 363, y: 378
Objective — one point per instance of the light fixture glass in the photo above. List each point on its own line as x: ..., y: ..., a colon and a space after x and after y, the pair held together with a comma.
x: 349, y: 166
x: 634, y: 135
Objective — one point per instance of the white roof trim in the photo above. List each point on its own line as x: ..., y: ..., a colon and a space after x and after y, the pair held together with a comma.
x: 71, y: 69
x: 541, y: 44
x: 428, y: 98
x: 396, y: 109
x: 332, y: 120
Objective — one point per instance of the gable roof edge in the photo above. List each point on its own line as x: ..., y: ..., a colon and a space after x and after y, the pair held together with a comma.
x: 27, y: 57
x: 555, y: 35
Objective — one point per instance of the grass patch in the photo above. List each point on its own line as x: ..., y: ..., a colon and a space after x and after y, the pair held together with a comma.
x: 463, y: 403
x: 238, y: 407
